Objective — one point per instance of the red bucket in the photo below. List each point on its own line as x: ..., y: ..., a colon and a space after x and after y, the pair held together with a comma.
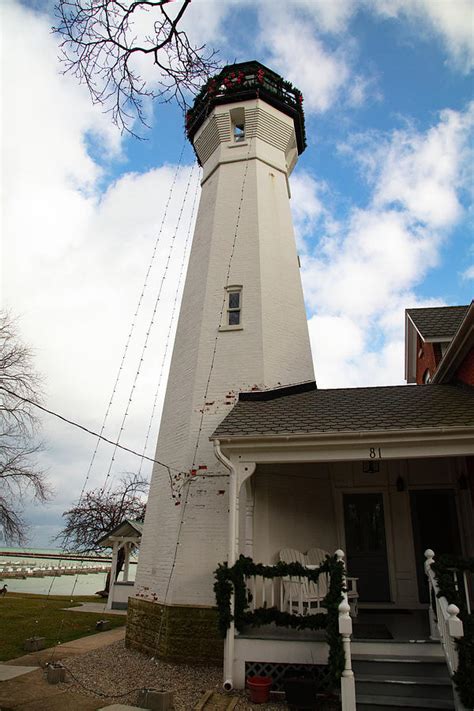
x: 259, y: 687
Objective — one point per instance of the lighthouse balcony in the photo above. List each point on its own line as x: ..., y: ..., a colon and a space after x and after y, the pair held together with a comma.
x: 244, y: 81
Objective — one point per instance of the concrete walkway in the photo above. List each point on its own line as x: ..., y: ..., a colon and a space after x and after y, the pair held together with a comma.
x: 28, y: 690
x: 99, y: 607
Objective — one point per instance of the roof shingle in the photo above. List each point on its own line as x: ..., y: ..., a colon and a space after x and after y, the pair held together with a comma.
x: 439, y: 321
x: 349, y: 409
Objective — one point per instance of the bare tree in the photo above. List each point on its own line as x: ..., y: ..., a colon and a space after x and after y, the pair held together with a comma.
x: 97, y: 512
x: 19, y: 475
x: 102, y: 41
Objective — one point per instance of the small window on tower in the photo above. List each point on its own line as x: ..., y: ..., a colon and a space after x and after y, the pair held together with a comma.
x: 234, y: 307
x: 239, y: 132
x: 237, y: 117
x: 232, y: 316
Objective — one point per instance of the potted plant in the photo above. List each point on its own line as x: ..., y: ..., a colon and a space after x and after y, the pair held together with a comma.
x: 307, y: 691
x: 259, y: 688
x: 301, y: 691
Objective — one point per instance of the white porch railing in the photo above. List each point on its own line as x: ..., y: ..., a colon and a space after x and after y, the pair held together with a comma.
x: 297, y: 595
x: 445, y: 624
x: 289, y: 594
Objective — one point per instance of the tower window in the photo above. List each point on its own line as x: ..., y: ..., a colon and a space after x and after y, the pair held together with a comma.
x: 237, y: 117
x: 239, y: 132
x: 234, y: 306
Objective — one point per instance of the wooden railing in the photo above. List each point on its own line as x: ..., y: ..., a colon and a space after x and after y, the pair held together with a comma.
x: 305, y: 597
x: 445, y: 624
x: 293, y: 594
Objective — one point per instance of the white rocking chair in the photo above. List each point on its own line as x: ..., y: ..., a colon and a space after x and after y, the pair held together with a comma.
x: 317, y: 556
x: 299, y: 595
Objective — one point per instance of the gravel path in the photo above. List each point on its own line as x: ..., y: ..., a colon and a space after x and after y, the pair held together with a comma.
x: 116, y: 670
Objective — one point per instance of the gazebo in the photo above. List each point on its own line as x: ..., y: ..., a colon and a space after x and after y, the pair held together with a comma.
x: 122, y: 539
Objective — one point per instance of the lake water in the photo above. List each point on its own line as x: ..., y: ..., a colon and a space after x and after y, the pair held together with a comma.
x: 81, y: 584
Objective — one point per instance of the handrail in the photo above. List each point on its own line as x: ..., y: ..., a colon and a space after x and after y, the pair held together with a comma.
x: 445, y: 624
x: 348, y: 696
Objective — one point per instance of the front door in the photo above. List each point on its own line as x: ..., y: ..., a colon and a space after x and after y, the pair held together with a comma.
x: 366, y: 547
x: 435, y: 525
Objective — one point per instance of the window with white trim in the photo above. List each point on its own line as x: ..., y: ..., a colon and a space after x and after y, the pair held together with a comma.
x: 234, y: 306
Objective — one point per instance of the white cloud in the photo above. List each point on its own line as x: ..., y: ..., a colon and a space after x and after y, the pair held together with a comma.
x: 360, y: 277
x: 331, y: 17
x: 297, y: 53
x: 452, y: 21
x: 468, y: 273
x: 422, y: 173
x: 310, y: 208
x: 75, y: 259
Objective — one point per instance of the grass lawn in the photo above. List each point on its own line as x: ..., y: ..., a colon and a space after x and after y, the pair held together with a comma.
x: 23, y: 616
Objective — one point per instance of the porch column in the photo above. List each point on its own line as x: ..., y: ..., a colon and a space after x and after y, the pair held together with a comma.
x: 237, y: 524
x: 249, y: 508
x: 128, y: 547
x: 113, y: 571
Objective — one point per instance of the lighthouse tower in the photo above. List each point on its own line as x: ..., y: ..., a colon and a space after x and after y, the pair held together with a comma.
x: 242, y: 326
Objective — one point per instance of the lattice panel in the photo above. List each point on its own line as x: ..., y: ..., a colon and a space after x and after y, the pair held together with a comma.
x: 279, y: 671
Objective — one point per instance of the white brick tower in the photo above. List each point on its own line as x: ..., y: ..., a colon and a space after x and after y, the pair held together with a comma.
x: 242, y: 323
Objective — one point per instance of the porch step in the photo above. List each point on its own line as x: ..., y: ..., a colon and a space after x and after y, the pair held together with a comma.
x: 418, y: 666
x: 397, y: 682
x: 376, y: 702
x: 406, y: 686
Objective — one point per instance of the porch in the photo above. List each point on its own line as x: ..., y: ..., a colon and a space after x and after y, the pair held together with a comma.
x: 383, y: 513
x: 382, y: 473
x: 396, y: 658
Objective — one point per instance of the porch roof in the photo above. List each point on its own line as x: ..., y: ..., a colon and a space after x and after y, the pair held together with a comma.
x: 305, y: 410
x: 437, y: 322
x: 126, y: 529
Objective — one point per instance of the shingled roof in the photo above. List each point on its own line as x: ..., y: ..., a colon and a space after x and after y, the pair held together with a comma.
x: 438, y: 322
x: 305, y: 410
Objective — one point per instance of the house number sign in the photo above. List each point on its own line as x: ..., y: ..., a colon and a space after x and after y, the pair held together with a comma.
x: 375, y: 453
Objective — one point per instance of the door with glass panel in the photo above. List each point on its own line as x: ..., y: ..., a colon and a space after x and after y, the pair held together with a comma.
x: 366, y: 546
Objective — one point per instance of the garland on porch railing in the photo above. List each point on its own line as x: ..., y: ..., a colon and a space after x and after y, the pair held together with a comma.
x: 233, y: 578
x: 443, y: 569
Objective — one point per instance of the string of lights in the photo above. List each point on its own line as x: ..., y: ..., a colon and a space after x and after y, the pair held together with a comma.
x: 170, y: 330
x: 135, y: 316
x: 150, y: 326
x: 100, y: 436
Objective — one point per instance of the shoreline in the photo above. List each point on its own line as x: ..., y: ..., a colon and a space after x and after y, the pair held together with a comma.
x: 56, y: 556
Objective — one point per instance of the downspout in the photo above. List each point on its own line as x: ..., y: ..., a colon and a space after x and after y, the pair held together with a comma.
x: 228, y: 683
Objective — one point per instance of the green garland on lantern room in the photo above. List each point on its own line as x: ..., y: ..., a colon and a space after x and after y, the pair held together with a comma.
x: 443, y: 568
x: 240, y: 78
x: 232, y: 579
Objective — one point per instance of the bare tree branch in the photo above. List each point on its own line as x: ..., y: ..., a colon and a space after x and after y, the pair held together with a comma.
x: 98, y: 512
x: 19, y: 475
x: 102, y: 42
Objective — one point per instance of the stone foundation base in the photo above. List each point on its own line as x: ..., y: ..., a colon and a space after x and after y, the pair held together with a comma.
x: 188, y: 634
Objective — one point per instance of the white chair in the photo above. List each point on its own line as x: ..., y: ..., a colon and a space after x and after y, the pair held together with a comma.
x: 317, y: 556
x: 299, y: 594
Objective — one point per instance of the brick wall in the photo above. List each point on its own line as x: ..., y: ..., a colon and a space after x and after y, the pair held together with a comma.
x: 465, y: 373
x: 174, y: 633
x: 428, y: 357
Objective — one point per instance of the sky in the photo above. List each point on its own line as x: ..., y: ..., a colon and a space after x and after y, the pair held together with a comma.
x: 96, y: 225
